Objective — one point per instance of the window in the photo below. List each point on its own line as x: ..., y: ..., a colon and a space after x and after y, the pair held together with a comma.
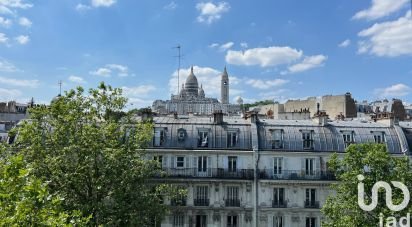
x: 181, y: 135
x: 201, y: 196
x: 232, y: 196
x: 202, y: 165
x: 310, y: 201
x: 379, y: 137
x: 178, y: 220
x: 203, y: 139
x: 180, y: 162
x: 278, y: 197
x: 159, y: 137
x: 277, y: 166
x: 232, y: 221
x: 232, y: 139
x: 159, y: 159
x: 277, y: 139
x: 232, y: 163
x: 307, y: 137
x: 310, y: 222
x: 348, y: 138
x: 277, y: 221
x: 180, y: 199
x: 310, y: 166
x: 200, y: 221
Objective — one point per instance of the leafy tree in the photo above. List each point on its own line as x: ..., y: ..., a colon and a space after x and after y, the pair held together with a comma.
x: 247, y: 106
x: 94, y: 158
x: 375, y: 164
x: 26, y: 201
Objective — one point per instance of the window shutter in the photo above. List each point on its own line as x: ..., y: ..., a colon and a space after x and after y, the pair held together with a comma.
x: 225, y: 162
x: 239, y: 164
x: 303, y: 164
x: 209, y: 162
x: 317, y: 164
x: 272, y: 166
x: 194, y: 164
x: 164, y: 161
x: 187, y: 162
x: 172, y: 162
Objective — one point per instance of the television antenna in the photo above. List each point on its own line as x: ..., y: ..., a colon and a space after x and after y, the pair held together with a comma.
x: 60, y: 87
x: 179, y: 57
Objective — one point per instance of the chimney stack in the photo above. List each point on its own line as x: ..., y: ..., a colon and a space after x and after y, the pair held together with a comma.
x: 218, y: 117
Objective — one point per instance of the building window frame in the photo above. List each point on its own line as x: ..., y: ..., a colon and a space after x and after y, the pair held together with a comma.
x: 379, y: 137
x: 348, y: 138
x: 307, y: 139
x: 180, y: 162
x: 277, y: 138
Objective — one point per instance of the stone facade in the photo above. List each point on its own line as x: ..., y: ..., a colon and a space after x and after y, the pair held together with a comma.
x: 250, y: 172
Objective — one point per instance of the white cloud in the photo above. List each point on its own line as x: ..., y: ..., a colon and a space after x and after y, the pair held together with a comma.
x: 171, y: 6
x: 280, y: 95
x: 208, y: 77
x: 222, y: 47
x: 226, y: 46
x: 262, y: 84
x: 142, y: 90
x: 269, y: 56
x: 19, y: 83
x: 5, y: 22
x: 391, y: 38
x: 82, y: 7
x: 5, y: 10
x: 22, y: 39
x: 15, y: 4
x: 243, y: 45
x: 308, y: 62
x: 381, y: 8
x: 25, y: 22
x: 210, y: 12
x: 345, y: 43
x: 396, y: 90
x: 107, y: 70
x: 6, y: 66
x: 103, y: 3
x: 77, y: 79
x: 3, y: 38
x: 9, y: 94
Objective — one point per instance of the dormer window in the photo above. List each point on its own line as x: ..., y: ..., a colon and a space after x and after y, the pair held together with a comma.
x: 379, y: 137
x: 159, y: 137
x: 181, y: 135
x: 232, y: 139
x: 277, y: 139
x: 307, y: 138
x: 348, y: 138
x: 203, y: 139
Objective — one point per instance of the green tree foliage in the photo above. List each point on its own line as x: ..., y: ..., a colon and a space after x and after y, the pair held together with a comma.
x: 376, y: 164
x: 26, y: 201
x: 247, y: 106
x: 91, y: 153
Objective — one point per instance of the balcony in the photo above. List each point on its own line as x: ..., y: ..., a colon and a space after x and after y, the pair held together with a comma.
x: 178, y: 202
x: 312, y: 204
x: 268, y: 174
x: 279, y: 204
x: 201, y: 202
x: 232, y: 202
x: 242, y: 174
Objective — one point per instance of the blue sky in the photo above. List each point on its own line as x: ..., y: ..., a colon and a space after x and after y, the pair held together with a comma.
x: 272, y: 49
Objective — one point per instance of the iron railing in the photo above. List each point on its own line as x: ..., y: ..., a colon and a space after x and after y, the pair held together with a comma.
x: 295, y: 175
x: 312, y: 204
x: 232, y: 202
x: 279, y: 204
x: 244, y: 174
x: 201, y: 202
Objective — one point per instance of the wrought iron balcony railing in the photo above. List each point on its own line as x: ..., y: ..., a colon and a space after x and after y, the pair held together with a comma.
x: 312, y: 204
x: 201, y: 202
x: 296, y: 175
x: 244, y: 174
x: 279, y: 204
x: 232, y: 202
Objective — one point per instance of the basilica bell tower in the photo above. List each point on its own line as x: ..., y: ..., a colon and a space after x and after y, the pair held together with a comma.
x: 224, y: 87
